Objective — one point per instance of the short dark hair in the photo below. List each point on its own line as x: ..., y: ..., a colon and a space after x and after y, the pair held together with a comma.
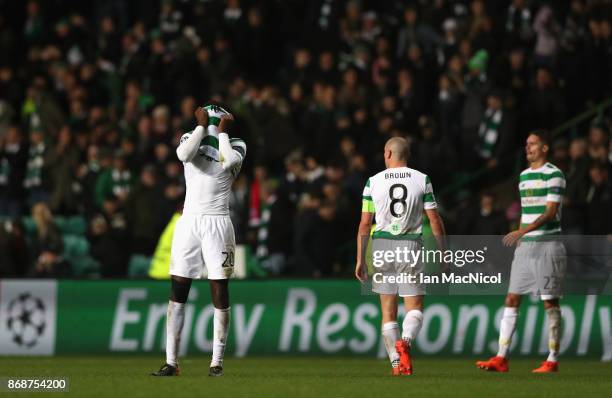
x: 543, y: 135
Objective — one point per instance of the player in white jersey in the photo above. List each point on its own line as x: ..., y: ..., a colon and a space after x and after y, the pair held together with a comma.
x: 540, y: 259
x: 397, y: 197
x: 204, y: 237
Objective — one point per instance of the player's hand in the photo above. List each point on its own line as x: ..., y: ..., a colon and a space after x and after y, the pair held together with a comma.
x: 201, y: 116
x: 512, y: 238
x: 360, y: 272
x: 226, y: 122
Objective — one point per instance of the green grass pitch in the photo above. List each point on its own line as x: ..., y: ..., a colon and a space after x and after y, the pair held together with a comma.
x: 293, y: 377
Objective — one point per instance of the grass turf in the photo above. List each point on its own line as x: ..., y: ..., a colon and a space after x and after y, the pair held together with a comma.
x: 313, y: 377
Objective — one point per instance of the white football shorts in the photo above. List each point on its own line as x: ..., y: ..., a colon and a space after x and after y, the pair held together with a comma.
x: 203, y: 243
x: 539, y: 268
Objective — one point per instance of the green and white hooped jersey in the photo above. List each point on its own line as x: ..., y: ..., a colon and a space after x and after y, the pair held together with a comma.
x: 398, y: 196
x: 208, y: 185
x: 537, y: 187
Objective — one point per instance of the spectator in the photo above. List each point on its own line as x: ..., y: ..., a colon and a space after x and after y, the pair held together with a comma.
x: 432, y: 155
x: 34, y: 28
x: 495, y: 132
x: 476, y: 87
x: 274, y: 230
x: 14, y: 250
x: 327, y: 70
x: 62, y: 160
x: 108, y: 236
x: 544, y: 107
x: 87, y: 174
x: 599, y: 201
x: 116, y: 181
x: 48, y: 246
x: 597, y: 57
x: 146, y: 225
x: 574, y: 206
x: 448, y: 109
x: 315, y: 238
x: 547, y: 30
x: 518, y: 22
x: 239, y: 208
x: 13, y: 158
x: 36, y: 179
x: 490, y: 220
x: 513, y: 74
x: 598, y: 137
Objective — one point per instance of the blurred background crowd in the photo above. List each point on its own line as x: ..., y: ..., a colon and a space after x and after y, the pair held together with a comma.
x: 95, y: 95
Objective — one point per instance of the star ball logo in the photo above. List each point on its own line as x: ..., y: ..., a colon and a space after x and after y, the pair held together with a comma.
x: 26, y: 319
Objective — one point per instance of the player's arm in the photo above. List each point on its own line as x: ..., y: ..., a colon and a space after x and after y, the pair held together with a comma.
x: 363, y: 235
x: 430, y: 206
x: 548, y: 215
x: 437, y: 227
x: 188, y: 147
x: 230, y: 157
x: 439, y: 233
x: 363, y: 232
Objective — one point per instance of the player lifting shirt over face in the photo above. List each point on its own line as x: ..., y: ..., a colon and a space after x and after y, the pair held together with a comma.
x: 398, y: 196
x: 204, y: 236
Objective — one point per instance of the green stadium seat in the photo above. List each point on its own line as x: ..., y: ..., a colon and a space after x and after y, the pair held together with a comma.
x: 84, y: 266
x: 29, y: 225
x: 76, y: 252
x: 75, y: 246
x: 139, y: 266
x: 61, y: 223
x: 75, y: 225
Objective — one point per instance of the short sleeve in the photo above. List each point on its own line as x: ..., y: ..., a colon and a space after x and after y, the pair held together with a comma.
x: 429, y: 200
x: 367, y: 204
x: 555, y: 187
x: 239, y: 146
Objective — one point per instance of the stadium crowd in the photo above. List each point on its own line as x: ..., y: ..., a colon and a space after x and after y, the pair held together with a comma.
x: 94, y: 97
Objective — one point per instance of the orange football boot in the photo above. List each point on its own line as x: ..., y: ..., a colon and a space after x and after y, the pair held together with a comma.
x: 403, y: 348
x: 547, y: 367
x: 494, y: 364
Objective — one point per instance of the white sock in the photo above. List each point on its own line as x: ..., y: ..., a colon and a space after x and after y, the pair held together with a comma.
x: 174, y: 326
x: 506, y: 330
x: 412, y: 325
x: 390, y: 333
x: 554, y: 332
x: 221, y: 326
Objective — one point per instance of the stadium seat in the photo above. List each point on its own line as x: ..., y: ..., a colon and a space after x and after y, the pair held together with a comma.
x: 84, y: 266
x: 75, y: 246
x: 76, y: 251
x: 29, y: 225
x: 139, y: 266
x: 61, y: 224
x: 75, y: 225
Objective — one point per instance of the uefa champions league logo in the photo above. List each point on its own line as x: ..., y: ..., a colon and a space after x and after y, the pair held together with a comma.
x: 26, y: 319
